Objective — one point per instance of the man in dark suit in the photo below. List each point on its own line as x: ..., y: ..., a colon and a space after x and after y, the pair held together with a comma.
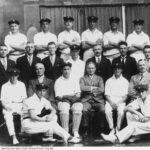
x: 103, y: 65
x: 52, y: 63
x: 40, y: 69
x: 26, y: 64
x: 92, y: 96
x: 5, y: 64
x: 129, y: 63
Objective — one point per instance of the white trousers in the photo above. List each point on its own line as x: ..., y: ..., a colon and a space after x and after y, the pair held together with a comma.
x: 49, y: 128
x: 8, y: 116
x: 133, y: 128
x: 109, y: 114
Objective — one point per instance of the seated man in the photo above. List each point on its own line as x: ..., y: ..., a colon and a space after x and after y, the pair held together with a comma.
x: 40, y: 69
x: 116, y: 90
x: 67, y: 93
x: 143, y: 77
x: 12, y: 94
x: 40, y: 117
x: 92, y: 88
x: 139, y: 121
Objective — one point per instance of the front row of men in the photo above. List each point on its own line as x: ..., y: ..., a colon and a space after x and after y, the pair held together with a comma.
x: 78, y: 93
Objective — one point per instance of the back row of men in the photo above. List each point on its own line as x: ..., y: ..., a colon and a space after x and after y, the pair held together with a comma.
x: 16, y: 41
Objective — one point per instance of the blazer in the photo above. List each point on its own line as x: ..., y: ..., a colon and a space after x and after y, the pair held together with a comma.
x: 103, y: 69
x: 50, y: 92
x: 27, y: 72
x: 136, y: 80
x: 53, y: 72
x: 4, y: 76
x: 85, y: 85
x: 129, y: 67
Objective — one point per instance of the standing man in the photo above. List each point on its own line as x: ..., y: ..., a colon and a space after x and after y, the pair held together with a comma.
x: 12, y: 94
x: 146, y: 51
x: 78, y: 66
x: 143, y: 77
x: 90, y: 38
x: 67, y: 94
x: 67, y: 38
x: 41, y: 79
x: 15, y: 41
x: 103, y: 65
x: 42, y: 38
x: 112, y: 38
x: 26, y: 64
x: 128, y: 63
x: 92, y: 88
x: 52, y: 63
x: 5, y: 64
x: 116, y: 90
x: 137, y: 40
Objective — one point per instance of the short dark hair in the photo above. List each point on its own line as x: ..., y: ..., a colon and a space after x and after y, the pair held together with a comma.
x: 51, y: 43
x: 122, y: 43
x: 146, y: 46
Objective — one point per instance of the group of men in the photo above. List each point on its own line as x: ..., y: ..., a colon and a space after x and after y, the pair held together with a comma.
x: 39, y: 85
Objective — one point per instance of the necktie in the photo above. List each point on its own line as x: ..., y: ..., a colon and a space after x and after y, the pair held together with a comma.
x: 30, y: 61
x: 122, y: 60
x: 52, y: 61
x: 5, y: 64
x: 141, y: 77
x: 99, y: 60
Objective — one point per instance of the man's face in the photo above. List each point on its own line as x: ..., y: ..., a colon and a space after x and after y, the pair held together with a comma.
x: 41, y: 93
x: 66, y: 71
x: 68, y: 25
x: 114, y: 25
x: 97, y: 50
x: 138, y: 27
x: 117, y: 72
x: 52, y: 49
x: 14, y: 27
x: 30, y: 48
x: 143, y: 94
x: 13, y: 78
x: 92, y: 25
x: 74, y: 54
x: 142, y: 66
x: 45, y: 26
x: 3, y: 51
x: 39, y: 69
x: 91, y: 69
x: 147, y: 53
x: 123, y: 50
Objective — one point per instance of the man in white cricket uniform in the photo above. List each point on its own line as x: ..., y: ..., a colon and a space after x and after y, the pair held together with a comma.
x: 137, y: 40
x: 78, y: 66
x: 42, y: 38
x: 67, y: 38
x: 112, y: 38
x: 15, y: 41
x: 12, y: 94
x: 91, y: 37
x: 116, y: 90
x: 138, y: 122
x: 40, y: 117
x: 67, y: 93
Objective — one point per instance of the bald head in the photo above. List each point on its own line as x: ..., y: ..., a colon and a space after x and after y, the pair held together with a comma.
x: 40, y: 69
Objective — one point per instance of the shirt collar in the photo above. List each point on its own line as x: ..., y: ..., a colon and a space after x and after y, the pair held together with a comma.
x: 138, y: 34
x: 95, y: 30
x: 114, y: 32
x: 41, y: 78
x: 117, y: 78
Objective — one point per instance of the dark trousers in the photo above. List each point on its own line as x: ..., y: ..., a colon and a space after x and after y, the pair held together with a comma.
x: 99, y: 113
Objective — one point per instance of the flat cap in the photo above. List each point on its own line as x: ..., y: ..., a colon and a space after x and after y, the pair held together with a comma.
x: 45, y: 20
x: 114, y: 19
x: 75, y: 47
x: 92, y: 18
x: 66, y: 64
x: 141, y: 87
x: 14, y: 71
x: 138, y: 21
x: 117, y: 65
x: 13, y: 21
x: 68, y: 18
x: 41, y: 86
